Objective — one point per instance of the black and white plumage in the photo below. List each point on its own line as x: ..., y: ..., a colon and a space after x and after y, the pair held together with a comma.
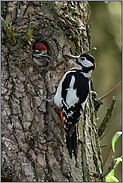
x: 71, y: 96
x: 39, y: 54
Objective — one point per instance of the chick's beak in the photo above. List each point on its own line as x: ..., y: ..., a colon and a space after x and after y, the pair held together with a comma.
x: 46, y: 55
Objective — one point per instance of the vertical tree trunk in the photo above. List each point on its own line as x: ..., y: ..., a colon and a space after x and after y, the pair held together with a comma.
x: 33, y: 145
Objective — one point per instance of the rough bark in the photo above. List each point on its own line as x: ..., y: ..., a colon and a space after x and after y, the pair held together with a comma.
x: 33, y: 144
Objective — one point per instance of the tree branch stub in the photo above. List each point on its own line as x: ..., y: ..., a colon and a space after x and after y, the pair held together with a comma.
x: 107, y: 117
x: 9, y: 30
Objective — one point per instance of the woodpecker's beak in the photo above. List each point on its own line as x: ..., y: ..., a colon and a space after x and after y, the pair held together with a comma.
x: 72, y: 57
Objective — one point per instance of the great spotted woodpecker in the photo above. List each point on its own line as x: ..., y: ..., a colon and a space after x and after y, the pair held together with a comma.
x: 71, y: 96
x: 39, y: 54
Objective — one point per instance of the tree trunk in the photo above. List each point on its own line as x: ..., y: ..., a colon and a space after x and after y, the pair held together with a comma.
x: 33, y: 143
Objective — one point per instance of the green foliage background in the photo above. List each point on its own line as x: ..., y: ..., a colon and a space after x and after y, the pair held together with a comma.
x: 107, y: 37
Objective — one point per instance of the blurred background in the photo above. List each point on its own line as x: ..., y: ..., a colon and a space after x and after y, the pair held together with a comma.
x: 107, y: 38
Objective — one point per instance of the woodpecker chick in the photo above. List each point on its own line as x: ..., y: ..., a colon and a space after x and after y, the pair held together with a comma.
x: 71, y: 96
x: 39, y: 54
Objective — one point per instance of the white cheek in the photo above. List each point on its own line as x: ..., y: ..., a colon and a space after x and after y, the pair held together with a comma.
x: 87, y: 63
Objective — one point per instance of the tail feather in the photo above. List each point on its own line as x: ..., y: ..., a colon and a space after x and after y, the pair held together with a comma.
x: 71, y: 142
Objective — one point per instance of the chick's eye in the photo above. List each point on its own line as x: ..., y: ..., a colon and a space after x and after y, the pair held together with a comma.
x: 36, y: 51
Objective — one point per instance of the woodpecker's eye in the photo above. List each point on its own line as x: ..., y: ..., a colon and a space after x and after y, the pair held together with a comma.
x: 82, y: 58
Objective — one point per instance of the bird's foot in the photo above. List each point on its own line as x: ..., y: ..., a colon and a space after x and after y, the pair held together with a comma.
x: 51, y: 101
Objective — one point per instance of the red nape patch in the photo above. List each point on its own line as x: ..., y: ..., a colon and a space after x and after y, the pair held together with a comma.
x: 94, y: 65
x: 40, y: 46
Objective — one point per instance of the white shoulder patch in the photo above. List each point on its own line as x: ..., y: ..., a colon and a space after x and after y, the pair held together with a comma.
x: 71, y: 97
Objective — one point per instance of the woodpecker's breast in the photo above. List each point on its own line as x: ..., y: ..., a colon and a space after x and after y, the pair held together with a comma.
x: 58, y: 96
